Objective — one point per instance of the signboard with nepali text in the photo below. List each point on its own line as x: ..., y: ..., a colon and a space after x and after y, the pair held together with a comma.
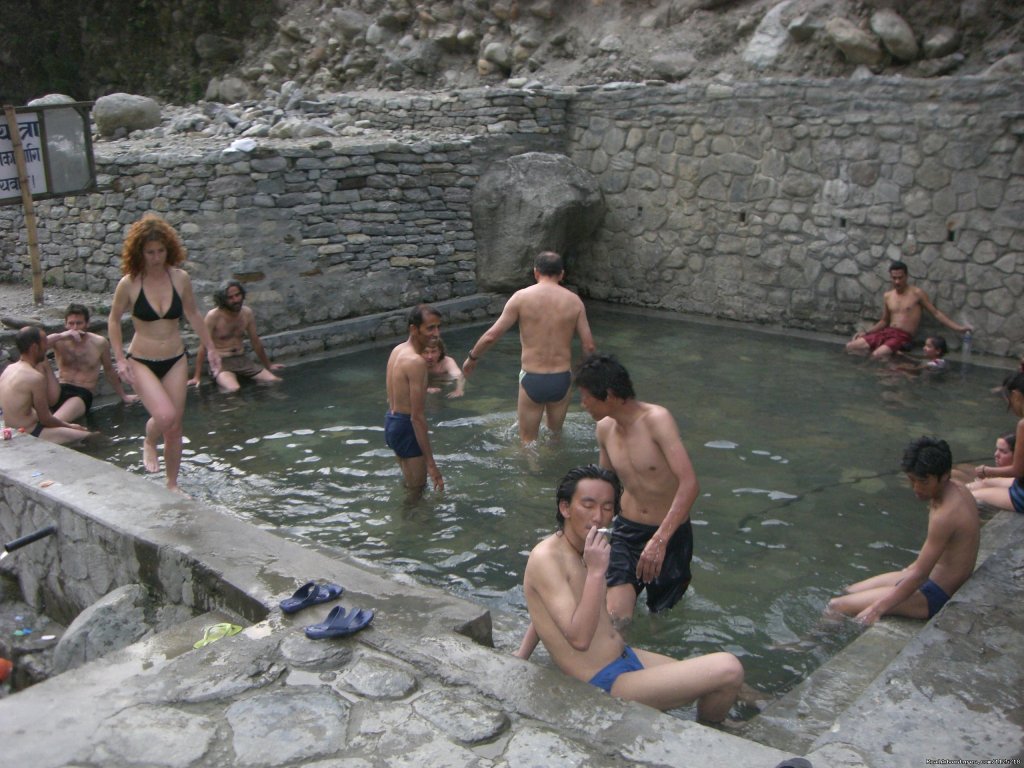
x: 57, y: 146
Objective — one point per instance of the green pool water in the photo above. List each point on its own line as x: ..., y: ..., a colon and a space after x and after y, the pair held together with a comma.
x: 796, y: 447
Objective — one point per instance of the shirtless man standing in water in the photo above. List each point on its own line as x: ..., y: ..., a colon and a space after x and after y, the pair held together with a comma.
x: 549, y: 315
x: 901, y: 315
x: 652, y: 543
x: 405, y: 426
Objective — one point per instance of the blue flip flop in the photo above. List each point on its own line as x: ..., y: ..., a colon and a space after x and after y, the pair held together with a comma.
x: 309, y: 594
x: 339, y: 624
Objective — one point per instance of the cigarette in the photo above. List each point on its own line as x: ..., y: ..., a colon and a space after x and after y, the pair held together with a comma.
x: 605, y: 531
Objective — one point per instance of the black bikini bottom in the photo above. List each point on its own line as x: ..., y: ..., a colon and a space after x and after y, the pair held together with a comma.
x: 160, y: 368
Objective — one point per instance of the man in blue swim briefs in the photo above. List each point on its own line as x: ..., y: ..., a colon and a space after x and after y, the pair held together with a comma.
x: 23, y: 393
x: 950, y: 549
x: 405, y: 425
x: 565, y: 591
x: 901, y: 315
x: 549, y: 315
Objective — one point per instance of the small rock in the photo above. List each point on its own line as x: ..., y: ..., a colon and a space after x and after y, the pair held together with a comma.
x: 895, y: 34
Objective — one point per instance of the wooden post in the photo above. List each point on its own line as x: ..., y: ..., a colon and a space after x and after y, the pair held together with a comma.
x: 26, y: 201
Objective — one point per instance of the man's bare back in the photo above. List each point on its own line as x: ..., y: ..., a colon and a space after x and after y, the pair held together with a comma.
x: 549, y: 315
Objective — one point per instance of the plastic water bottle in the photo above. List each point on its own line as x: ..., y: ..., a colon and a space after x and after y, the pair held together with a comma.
x: 965, y: 347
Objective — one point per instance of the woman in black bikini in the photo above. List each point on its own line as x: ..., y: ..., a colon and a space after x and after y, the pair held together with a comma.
x: 158, y: 294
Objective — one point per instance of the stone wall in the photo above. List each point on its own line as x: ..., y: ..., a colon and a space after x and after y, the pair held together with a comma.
x: 328, y: 230
x: 776, y: 202
x: 783, y: 202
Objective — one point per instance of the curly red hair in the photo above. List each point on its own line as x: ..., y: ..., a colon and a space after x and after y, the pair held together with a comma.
x: 150, y: 227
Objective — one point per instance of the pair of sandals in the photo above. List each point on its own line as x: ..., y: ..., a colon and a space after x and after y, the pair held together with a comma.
x: 339, y: 622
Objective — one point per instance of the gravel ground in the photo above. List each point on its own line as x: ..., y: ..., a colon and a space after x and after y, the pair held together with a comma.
x: 17, y: 307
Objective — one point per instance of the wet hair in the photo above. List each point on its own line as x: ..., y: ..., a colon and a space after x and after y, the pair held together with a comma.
x: 147, y: 229
x: 567, y: 487
x: 600, y: 374
x: 939, y: 342
x: 1010, y: 439
x: 927, y: 456
x: 220, y: 296
x: 418, y: 314
x: 77, y: 309
x: 27, y: 337
x: 549, y: 263
x: 898, y: 266
x: 1014, y: 382
x: 440, y: 349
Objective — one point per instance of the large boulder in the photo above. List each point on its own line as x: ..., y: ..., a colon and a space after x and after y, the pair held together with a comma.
x: 113, y: 622
x: 527, y: 204
x: 126, y: 111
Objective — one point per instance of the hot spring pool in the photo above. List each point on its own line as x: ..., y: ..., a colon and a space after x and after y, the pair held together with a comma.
x: 796, y: 447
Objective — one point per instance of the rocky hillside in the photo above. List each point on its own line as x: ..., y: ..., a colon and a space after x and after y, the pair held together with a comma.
x: 181, y: 51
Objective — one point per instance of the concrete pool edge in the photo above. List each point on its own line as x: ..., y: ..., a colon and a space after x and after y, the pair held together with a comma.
x: 148, y: 535
x: 115, y: 528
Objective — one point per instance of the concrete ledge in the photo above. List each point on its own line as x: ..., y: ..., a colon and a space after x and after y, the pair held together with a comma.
x: 241, y: 700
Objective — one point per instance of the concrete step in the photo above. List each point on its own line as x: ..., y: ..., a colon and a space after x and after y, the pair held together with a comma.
x: 793, y: 722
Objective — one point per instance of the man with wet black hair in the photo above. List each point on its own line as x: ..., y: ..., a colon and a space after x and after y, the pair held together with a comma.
x: 564, y: 586
x: 653, y: 543
x: 229, y: 323
x: 946, y: 559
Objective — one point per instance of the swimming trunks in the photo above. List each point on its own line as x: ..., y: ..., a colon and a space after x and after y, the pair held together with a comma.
x: 400, y: 436
x: 628, y: 542
x: 143, y: 310
x: 935, y: 596
x: 627, y: 662
x: 1017, y: 495
x: 37, y: 430
x: 546, y: 387
x: 160, y: 368
x: 895, y: 339
x: 241, y: 365
x: 67, y: 391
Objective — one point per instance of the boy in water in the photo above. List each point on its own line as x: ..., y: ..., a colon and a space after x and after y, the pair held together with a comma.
x: 950, y: 549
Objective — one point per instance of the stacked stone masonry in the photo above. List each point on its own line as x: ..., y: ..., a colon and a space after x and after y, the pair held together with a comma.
x: 776, y: 202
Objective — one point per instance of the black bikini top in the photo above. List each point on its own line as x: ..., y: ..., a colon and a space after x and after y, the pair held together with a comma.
x: 143, y: 310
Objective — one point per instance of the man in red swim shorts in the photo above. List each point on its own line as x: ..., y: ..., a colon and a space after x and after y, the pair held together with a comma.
x: 901, y: 315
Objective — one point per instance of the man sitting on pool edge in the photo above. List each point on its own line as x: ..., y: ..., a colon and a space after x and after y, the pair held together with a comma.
x: 946, y: 559
x: 564, y: 585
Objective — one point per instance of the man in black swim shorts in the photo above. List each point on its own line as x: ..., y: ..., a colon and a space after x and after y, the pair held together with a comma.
x: 652, y: 540
x: 80, y: 355
x: 549, y: 315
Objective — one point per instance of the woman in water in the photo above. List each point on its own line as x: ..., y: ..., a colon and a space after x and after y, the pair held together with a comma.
x: 440, y: 365
x: 1008, y: 496
x: 1003, y: 457
x: 158, y: 294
